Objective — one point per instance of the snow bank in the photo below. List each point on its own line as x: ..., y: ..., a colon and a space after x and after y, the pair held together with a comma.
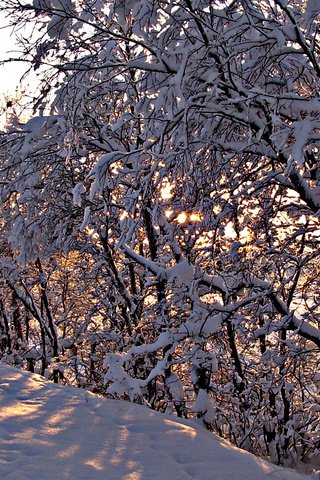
x: 50, y: 432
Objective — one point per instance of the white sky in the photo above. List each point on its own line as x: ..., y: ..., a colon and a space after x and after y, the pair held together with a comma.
x: 9, y: 73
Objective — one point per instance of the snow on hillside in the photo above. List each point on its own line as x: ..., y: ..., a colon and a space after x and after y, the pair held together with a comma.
x: 51, y: 432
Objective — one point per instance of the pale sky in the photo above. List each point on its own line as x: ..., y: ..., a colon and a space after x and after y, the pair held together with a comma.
x: 9, y: 73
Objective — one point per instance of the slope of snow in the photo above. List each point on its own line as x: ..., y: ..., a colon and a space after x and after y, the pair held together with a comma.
x: 50, y: 432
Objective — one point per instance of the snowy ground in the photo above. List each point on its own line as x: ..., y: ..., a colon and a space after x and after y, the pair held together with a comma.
x: 49, y: 432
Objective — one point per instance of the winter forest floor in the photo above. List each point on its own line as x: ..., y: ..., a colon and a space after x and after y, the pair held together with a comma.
x: 50, y: 432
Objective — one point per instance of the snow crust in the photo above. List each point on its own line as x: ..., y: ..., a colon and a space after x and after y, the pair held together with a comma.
x: 50, y: 432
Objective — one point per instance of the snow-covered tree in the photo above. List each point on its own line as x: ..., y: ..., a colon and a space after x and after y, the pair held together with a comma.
x: 174, y: 155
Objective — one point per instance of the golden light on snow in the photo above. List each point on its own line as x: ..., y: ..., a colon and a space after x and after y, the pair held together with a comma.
x: 18, y: 409
x: 180, y: 429
x: 94, y: 464
x: 69, y: 452
x: 57, y: 422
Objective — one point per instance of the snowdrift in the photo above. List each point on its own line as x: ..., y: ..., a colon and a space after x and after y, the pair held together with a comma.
x: 51, y: 432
